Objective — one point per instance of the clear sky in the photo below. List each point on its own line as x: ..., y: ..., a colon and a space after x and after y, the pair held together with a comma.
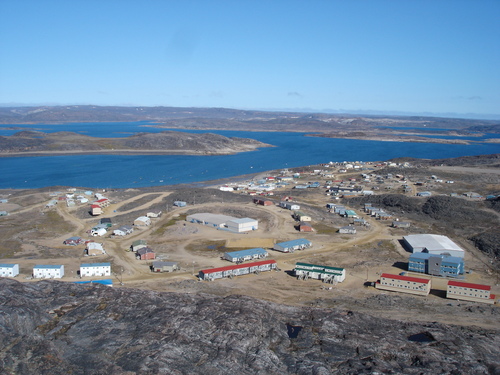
x: 435, y: 56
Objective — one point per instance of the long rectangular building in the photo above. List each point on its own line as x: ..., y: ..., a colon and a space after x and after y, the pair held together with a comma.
x: 432, y: 244
x: 291, y: 246
x: 328, y: 274
x: 237, y: 270
x: 470, y: 292
x: 405, y: 284
x: 243, y: 255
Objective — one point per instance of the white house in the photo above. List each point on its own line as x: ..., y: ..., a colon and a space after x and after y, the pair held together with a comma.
x: 42, y: 271
x: 142, y: 221
x: 95, y: 269
x: 98, y: 232
x: 9, y: 270
x: 242, y: 225
x: 123, y: 231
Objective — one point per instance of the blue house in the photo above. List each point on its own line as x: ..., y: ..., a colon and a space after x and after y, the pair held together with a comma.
x: 437, y: 265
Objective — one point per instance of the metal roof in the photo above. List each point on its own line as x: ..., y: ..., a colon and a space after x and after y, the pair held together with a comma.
x: 242, y: 220
x: 432, y: 242
x: 292, y: 243
x: 242, y: 253
x: 446, y: 259
x: 405, y: 278
x: 95, y: 265
x: 6, y: 265
x: 469, y: 285
x: 47, y: 266
x: 238, y: 266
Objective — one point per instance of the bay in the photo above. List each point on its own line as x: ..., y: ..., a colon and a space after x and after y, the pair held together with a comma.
x: 126, y: 171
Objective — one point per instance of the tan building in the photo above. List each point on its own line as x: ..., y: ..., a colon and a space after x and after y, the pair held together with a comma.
x: 470, y: 292
x: 405, y: 284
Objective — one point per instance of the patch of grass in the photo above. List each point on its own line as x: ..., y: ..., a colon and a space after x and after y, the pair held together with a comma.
x: 203, y: 246
x: 160, y: 230
x: 324, y: 229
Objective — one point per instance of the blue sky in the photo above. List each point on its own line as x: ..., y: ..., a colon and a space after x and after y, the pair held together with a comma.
x: 436, y: 56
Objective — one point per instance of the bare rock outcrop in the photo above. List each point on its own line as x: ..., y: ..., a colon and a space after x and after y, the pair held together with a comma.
x: 54, y: 327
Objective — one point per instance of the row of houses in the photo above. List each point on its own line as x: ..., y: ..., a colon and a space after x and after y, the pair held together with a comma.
x: 420, y: 286
x: 237, y: 270
x: 46, y: 271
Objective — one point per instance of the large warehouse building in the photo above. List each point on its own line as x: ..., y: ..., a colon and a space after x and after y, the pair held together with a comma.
x: 432, y: 244
x: 224, y: 222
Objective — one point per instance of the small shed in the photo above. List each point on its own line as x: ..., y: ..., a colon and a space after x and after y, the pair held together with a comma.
x: 180, y: 204
x: 159, y: 266
x: 73, y: 241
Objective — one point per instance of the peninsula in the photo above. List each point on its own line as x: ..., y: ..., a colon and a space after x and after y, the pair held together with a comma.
x: 35, y: 143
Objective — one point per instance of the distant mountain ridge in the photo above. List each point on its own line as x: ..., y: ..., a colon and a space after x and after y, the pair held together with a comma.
x: 225, y: 118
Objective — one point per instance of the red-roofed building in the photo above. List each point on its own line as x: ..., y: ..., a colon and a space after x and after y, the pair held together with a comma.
x: 237, y: 270
x: 104, y: 202
x: 470, y: 292
x: 405, y: 284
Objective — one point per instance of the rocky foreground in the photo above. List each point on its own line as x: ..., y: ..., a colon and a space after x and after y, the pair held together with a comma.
x: 53, y: 327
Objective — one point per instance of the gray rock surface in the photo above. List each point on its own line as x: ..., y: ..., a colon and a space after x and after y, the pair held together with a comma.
x: 52, y: 327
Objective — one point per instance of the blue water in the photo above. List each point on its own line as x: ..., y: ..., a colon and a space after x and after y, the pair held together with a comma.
x: 120, y: 171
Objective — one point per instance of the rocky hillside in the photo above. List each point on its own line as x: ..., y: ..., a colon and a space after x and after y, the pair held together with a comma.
x: 63, y: 328
x: 165, y: 142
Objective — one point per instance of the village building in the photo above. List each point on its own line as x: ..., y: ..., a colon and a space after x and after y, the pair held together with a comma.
x: 405, y: 284
x: 98, y: 232
x: 95, y: 269
x: 106, y: 221
x: 145, y: 253
x: 436, y: 264
x: 304, y: 227
x: 95, y: 249
x: 263, y: 202
x: 289, y: 206
x: 349, y: 229
x: 123, y: 230
x: 237, y: 270
x: 95, y: 210
x: 180, y: 204
x: 103, y: 202
x: 432, y: 244
x: 469, y: 292
x: 242, y: 225
x: 9, y: 270
x: 48, y: 271
x: 300, y: 216
x: 142, y: 221
x: 73, y: 241
x: 400, y: 224
x: 291, y: 246
x: 138, y: 244
x: 243, y: 255
x: 327, y: 274
x: 160, y: 266
x: 153, y: 214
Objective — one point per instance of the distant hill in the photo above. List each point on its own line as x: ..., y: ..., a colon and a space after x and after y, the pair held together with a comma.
x: 224, y: 118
